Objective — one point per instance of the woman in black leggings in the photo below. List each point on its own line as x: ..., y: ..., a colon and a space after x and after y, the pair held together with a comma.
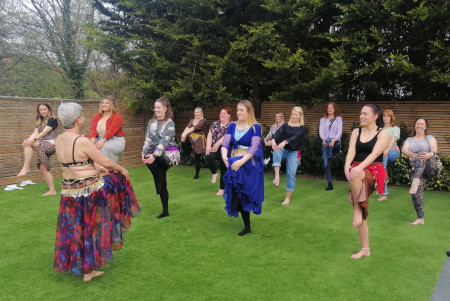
x: 213, y: 143
x: 160, y: 149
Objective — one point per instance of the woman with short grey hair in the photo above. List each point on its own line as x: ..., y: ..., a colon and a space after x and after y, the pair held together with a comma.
x: 94, y: 209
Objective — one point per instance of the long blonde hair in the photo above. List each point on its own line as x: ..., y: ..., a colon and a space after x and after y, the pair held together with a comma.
x: 282, y: 117
x: 300, y: 111
x: 112, y: 104
x: 201, y: 111
x: 251, y: 112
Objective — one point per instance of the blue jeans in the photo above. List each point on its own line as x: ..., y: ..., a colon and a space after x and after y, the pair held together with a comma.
x: 327, y: 153
x: 291, y: 165
x: 391, y: 157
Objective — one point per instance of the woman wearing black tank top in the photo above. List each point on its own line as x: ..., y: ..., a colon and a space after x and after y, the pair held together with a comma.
x: 364, y: 169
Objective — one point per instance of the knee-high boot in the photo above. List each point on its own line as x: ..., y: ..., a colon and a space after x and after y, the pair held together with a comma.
x: 246, y: 218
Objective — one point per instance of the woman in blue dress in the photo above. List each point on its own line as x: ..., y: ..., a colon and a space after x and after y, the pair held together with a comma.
x: 243, y: 155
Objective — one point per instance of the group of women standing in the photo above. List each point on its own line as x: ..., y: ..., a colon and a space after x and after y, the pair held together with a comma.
x: 371, y: 148
x: 98, y: 201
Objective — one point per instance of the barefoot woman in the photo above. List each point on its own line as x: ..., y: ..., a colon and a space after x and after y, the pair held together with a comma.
x: 364, y: 167
x: 94, y: 210
x: 42, y: 140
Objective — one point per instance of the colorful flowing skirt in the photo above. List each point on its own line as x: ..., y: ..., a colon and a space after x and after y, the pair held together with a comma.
x: 93, y: 215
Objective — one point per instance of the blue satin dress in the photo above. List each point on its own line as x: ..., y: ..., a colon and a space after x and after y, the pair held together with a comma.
x: 248, y: 181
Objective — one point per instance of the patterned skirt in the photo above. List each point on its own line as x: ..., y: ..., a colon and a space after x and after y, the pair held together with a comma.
x: 93, y: 215
x: 45, y: 149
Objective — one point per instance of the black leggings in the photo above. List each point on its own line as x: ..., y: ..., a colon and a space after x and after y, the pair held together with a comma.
x: 187, y: 148
x: 236, y: 204
x: 159, y: 171
x: 211, y: 159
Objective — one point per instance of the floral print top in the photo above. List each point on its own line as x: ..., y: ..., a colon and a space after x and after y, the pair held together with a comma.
x: 217, y: 131
x: 160, y: 134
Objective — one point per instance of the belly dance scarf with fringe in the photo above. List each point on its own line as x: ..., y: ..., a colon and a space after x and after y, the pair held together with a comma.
x: 374, y: 179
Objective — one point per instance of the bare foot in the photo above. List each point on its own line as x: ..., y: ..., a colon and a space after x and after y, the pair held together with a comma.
x: 276, y: 182
x: 363, y: 252
x: 220, y: 192
x: 214, y: 178
x: 419, y: 221
x: 88, y: 277
x: 286, y: 202
x: 49, y: 193
x: 23, y: 172
x: 357, y: 218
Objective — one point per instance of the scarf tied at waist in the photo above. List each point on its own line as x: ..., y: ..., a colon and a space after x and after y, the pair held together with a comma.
x: 378, y: 172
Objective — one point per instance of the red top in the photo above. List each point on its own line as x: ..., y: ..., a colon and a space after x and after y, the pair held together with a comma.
x: 113, y: 126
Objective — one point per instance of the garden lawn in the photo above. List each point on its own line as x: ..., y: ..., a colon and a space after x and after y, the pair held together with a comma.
x: 296, y: 252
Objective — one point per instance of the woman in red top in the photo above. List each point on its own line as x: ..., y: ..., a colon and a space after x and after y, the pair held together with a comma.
x: 106, y: 130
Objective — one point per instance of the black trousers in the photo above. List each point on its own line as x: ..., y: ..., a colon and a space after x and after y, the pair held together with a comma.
x: 187, y: 148
x: 159, y: 169
x: 212, y: 163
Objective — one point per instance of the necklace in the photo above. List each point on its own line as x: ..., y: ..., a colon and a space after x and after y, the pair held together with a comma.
x: 240, y: 132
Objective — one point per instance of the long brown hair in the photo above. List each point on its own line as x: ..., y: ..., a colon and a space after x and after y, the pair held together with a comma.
x: 165, y: 103
x: 39, y: 119
x: 426, y: 124
x: 336, y: 109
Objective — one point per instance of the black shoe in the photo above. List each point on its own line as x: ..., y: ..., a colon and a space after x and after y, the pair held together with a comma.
x: 329, y: 187
x: 195, y: 177
x: 163, y: 214
x: 245, y: 231
x: 448, y: 253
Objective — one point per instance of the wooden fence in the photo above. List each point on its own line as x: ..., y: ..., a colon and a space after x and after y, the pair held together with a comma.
x: 18, y: 119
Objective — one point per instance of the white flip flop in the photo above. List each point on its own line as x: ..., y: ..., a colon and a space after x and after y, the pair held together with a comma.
x: 14, y: 186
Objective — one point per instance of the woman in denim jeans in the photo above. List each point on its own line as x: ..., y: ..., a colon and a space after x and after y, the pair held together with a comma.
x: 286, y: 144
x: 330, y: 131
x: 392, y: 152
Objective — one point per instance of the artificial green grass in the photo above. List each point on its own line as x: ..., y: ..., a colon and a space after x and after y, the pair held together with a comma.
x: 296, y: 252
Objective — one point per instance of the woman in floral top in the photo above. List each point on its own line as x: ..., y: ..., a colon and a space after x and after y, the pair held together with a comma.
x: 215, y: 137
x: 160, y: 149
